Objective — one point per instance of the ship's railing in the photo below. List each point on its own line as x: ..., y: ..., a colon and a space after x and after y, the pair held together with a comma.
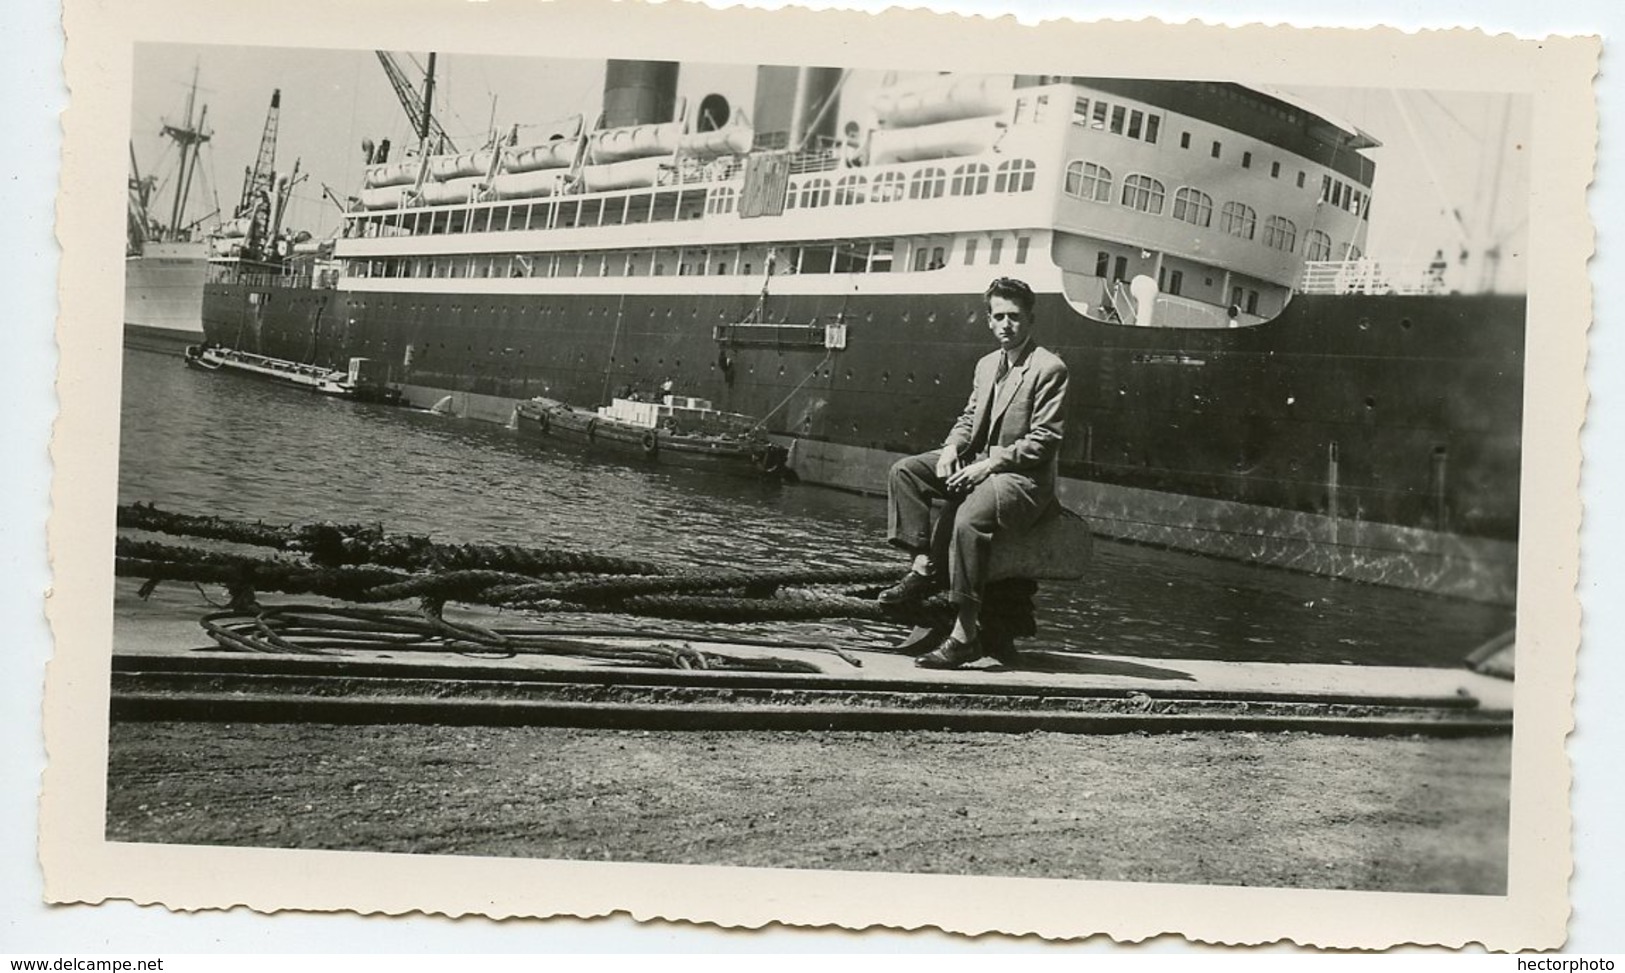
x: 687, y: 172
x: 1371, y: 277
x: 820, y: 154
x: 689, y: 190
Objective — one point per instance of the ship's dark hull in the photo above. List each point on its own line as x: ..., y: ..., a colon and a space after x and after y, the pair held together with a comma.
x: 1402, y: 410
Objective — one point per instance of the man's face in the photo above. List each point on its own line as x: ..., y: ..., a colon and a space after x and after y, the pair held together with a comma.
x: 1008, y: 322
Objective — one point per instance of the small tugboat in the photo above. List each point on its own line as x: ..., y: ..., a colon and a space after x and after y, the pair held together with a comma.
x: 358, y: 383
x: 676, y: 431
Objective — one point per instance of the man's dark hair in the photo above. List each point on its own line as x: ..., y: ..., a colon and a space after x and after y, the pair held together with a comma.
x: 1011, y: 289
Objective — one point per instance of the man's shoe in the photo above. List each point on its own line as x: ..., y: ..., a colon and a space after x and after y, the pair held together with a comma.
x: 914, y: 587
x: 951, y: 654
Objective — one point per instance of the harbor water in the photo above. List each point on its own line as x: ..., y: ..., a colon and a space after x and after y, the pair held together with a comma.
x: 202, y: 443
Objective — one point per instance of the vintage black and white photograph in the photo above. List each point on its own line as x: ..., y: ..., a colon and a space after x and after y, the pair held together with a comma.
x: 816, y: 464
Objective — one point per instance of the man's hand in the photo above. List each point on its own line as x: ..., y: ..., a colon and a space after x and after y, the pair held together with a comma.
x: 966, y: 478
x: 948, y: 463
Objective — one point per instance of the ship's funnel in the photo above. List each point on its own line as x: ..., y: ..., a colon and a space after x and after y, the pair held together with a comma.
x: 639, y: 92
x: 796, y: 107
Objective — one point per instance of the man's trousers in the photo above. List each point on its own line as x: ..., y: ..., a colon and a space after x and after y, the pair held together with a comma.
x: 959, y: 539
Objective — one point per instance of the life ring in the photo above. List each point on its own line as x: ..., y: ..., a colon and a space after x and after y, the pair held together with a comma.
x: 651, y: 443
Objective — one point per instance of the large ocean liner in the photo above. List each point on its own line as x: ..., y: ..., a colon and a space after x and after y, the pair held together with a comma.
x: 1242, y: 381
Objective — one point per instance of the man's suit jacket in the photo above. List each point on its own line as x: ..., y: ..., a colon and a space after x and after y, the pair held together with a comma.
x: 1026, y: 417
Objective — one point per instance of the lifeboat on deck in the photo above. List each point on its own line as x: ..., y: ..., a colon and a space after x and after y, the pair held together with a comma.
x: 556, y: 154
x: 634, y: 142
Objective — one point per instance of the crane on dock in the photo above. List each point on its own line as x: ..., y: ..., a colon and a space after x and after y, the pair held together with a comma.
x: 264, y: 198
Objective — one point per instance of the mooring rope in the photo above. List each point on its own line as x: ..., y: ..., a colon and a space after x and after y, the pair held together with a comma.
x: 338, y: 544
x: 319, y: 629
x: 367, y: 565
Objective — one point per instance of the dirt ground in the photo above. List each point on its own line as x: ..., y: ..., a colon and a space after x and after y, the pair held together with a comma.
x: 1286, y: 809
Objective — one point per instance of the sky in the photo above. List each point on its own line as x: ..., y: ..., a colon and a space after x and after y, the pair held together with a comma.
x: 1451, y: 171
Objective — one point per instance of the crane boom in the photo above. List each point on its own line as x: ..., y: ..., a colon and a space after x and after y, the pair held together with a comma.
x: 258, y: 180
x: 259, y: 185
x: 424, y: 124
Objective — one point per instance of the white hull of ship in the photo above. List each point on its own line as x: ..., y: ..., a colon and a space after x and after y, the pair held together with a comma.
x: 163, y: 290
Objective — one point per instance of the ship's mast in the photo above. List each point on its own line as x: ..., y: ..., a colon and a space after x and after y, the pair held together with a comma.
x: 284, y: 191
x: 428, y: 104
x: 137, y: 226
x: 190, y: 138
x: 418, y: 108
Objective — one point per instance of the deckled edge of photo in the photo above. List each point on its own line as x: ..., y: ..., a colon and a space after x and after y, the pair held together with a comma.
x: 81, y: 866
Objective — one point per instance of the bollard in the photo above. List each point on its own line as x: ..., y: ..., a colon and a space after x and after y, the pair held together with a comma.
x: 1057, y: 547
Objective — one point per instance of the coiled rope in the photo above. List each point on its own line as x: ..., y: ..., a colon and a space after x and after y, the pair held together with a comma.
x: 364, y: 564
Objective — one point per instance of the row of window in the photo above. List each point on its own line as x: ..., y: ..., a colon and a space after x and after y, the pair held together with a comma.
x: 929, y: 182
x: 542, y: 214
x: 1217, y: 152
x: 1103, y: 116
x: 1089, y: 181
x: 995, y: 250
x: 834, y: 257
x: 1345, y: 197
x: 1334, y: 191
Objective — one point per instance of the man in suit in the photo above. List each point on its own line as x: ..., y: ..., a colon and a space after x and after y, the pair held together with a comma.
x: 995, y: 473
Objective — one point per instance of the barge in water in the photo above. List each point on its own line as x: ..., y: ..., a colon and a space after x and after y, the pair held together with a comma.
x: 675, y: 431
x: 357, y: 382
